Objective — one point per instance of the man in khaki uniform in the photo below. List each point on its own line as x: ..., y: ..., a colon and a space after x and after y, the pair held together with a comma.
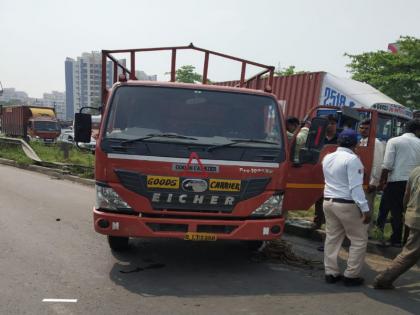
x: 346, y: 210
x: 411, y: 250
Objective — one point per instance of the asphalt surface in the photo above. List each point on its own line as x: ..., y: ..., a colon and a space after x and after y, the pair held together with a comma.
x: 49, y: 250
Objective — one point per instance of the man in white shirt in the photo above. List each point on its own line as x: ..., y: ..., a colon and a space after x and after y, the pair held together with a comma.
x: 402, y: 155
x: 378, y: 157
x: 346, y: 210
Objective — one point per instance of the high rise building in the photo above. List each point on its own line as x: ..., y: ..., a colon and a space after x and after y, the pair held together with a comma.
x: 83, y: 81
x: 57, y: 100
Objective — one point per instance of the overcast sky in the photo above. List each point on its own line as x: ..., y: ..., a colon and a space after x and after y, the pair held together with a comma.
x: 37, y: 36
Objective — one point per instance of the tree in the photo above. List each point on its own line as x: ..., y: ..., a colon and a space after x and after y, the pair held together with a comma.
x: 186, y: 74
x: 395, y: 74
x: 287, y: 71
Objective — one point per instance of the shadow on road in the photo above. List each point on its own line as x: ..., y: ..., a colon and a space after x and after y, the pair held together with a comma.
x: 188, y: 269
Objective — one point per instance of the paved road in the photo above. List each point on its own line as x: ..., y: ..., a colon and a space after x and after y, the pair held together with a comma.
x: 48, y: 249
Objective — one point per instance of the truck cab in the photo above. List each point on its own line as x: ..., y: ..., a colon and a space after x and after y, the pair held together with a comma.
x: 199, y: 162
x: 43, y: 128
x: 188, y: 161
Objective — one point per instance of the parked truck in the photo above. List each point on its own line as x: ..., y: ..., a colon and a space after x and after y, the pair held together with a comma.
x: 30, y: 122
x: 200, y: 161
x: 298, y: 93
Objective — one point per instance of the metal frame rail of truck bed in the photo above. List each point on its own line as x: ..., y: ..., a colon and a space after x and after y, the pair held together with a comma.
x: 107, y: 54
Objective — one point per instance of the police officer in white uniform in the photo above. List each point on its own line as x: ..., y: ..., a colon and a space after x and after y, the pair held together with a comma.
x: 346, y: 210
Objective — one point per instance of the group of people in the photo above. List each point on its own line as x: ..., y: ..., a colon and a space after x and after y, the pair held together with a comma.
x: 347, y: 206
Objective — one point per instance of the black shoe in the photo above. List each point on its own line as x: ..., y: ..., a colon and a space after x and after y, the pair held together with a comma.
x: 332, y: 279
x: 353, y: 282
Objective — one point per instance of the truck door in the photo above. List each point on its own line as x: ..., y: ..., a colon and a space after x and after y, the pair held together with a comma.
x: 305, y: 182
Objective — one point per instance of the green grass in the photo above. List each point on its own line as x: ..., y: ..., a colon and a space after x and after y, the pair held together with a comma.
x: 309, y: 215
x: 54, y: 153
x: 15, y: 153
x: 81, y: 161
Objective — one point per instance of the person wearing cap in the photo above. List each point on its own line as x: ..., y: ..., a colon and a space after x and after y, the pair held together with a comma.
x: 346, y: 210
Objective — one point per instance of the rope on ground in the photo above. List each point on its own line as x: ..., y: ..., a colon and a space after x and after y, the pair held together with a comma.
x: 280, y: 251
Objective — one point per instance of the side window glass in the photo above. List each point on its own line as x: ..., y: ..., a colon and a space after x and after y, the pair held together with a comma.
x: 384, y: 128
x: 399, y: 127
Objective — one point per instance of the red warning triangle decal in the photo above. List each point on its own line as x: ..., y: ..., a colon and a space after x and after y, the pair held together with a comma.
x: 188, y: 172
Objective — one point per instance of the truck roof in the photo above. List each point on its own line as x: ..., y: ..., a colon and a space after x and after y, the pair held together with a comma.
x: 129, y: 73
x: 192, y: 86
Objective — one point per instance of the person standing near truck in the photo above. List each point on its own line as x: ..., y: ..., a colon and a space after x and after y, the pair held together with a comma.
x: 346, y: 210
x: 410, y: 254
x: 330, y: 138
x: 402, y: 155
x: 292, y: 124
x: 378, y: 157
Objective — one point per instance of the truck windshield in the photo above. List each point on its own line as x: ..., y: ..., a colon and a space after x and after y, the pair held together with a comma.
x: 46, y: 126
x: 193, y: 116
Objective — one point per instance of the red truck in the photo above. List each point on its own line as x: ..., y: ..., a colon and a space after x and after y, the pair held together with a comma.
x: 199, y: 161
x: 30, y: 122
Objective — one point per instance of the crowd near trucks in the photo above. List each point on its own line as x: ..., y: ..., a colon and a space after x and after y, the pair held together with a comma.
x: 30, y: 122
x: 206, y: 162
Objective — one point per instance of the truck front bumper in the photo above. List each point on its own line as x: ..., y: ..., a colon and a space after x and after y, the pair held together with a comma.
x: 134, y: 226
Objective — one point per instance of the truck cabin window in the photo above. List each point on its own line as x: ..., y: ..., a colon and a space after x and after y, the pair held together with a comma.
x: 206, y: 117
x: 45, y: 126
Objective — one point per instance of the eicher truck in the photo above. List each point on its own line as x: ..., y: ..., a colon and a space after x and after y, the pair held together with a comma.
x: 201, y: 162
x: 30, y: 122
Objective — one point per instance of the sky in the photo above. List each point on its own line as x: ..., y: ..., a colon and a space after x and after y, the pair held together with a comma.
x: 37, y: 36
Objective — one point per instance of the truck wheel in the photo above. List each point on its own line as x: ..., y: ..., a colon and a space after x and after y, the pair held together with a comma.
x: 118, y: 243
x: 254, y: 245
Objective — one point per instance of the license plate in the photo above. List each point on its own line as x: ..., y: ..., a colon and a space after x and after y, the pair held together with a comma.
x: 194, y: 236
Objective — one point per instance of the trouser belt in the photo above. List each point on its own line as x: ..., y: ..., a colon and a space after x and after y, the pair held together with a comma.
x: 339, y: 200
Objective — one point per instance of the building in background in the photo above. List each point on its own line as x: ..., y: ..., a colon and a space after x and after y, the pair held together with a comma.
x: 83, y: 81
x: 10, y: 94
x: 57, y: 100
x: 143, y: 76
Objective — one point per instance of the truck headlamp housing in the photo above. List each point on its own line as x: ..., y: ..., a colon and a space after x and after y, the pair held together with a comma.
x: 271, y: 207
x: 108, y: 199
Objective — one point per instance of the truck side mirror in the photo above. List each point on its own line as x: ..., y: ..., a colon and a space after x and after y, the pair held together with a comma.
x: 314, y: 142
x: 82, y: 127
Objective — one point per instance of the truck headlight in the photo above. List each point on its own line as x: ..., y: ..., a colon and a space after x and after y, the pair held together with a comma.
x: 271, y: 207
x: 108, y: 199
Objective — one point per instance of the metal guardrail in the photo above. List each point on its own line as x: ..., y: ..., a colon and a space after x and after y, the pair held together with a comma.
x: 30, y: 153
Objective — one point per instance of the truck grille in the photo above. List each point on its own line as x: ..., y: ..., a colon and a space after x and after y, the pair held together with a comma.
x: 180, y: 200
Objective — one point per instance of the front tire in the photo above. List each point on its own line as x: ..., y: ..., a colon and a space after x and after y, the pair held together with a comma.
x: 117, y: 243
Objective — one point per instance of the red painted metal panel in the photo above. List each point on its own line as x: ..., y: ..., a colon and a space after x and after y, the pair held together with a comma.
x: 14, y: 119
x: 301, y: 92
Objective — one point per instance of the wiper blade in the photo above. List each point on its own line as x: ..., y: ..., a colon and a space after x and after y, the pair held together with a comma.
x: 236, y: 141
x: 157, y: 135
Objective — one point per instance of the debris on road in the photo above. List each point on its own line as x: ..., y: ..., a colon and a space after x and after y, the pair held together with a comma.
x: 280, y: 251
